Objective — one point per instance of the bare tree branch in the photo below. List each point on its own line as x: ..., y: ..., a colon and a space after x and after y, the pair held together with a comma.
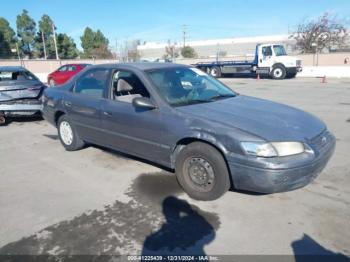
x: 320, y: 34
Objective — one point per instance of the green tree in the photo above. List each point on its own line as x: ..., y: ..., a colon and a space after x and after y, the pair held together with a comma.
x: 188, y: 52
x: 66, y: 47
x: 7, y: 39
x: 44, y: 45
x: 100, y: 39
x: 26, y: 29
x: 87, y: 42
x: 95, y: 44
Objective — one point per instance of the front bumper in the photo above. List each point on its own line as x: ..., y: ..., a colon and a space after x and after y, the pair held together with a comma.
x: 293, y: 70
x: 289, y: 175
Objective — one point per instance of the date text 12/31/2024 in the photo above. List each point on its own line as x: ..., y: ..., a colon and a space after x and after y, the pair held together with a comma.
x: 173, y: 258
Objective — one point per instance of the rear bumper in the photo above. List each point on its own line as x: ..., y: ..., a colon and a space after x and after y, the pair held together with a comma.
x: 20, y: 106
x: 270, y: 180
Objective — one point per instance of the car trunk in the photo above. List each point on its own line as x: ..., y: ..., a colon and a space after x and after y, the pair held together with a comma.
x: 15, y: 90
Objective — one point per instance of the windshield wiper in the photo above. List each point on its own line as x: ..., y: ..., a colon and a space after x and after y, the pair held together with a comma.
x: 191, y: 102
x: 198, y: 101
x: 213, y: 98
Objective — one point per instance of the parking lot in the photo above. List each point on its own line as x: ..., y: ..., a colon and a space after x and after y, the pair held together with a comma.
x: 98, y: 201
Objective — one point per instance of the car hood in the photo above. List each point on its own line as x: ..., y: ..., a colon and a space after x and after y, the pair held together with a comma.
x: 265, y: 119
x: 12, y: 90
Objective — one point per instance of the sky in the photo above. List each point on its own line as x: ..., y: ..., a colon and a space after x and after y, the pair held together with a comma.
x: 160, y: 20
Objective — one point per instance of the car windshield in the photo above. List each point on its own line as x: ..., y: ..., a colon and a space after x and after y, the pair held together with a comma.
x: 186, y: 86
x: 279, y: 50
x: 16, y: 76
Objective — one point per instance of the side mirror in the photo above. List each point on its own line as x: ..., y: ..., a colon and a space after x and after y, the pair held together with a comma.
x: 143, y: 102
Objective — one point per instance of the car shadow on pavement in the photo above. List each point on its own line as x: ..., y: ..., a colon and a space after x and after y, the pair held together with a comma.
x: 127, y: 226
x: 307, y: 249
x: 122, y: 155
x: 21, y: 120
x: 53, y: 137
x: 185, y: 231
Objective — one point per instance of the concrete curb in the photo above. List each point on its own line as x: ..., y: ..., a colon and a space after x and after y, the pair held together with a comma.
x: 328, y: 71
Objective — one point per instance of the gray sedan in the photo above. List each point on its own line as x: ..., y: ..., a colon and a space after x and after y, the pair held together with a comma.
x: 181, y: 118
x: 20, y: 92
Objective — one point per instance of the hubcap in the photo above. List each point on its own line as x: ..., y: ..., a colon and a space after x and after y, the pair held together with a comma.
x: 214, y: 72
x: 277, y: 72
x: 66, y: 133
x: 201, y: 174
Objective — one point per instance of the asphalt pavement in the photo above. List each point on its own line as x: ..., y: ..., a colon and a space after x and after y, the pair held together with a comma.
x: 98, y: 201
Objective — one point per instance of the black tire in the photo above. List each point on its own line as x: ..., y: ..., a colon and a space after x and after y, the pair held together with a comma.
x: 278, y: 72
x: 2, y: 120
x: 215, y: 72
x: 216, y: 181
x: 76, y: 143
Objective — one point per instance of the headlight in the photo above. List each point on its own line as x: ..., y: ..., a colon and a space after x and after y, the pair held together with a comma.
x: 262, y: 149
x: 259, y: 149
x: 288, y: 148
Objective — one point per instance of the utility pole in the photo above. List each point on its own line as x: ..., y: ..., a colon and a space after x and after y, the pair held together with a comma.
x: 54, y: 40
x: 184, y: 32
x: 43, y: 38
x: 217, y: 52
x: 19, y: 56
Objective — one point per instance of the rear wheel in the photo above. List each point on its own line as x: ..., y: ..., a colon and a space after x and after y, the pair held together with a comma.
x: 278, y: 72
x: 2, y: 119
x: 215, y: 72
x: 202, y: 171
x: 68, y: 135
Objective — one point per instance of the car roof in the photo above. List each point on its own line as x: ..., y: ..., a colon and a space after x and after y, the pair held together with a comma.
x: 76, y: 64
x: 142, y: 66
x: 12, y: 68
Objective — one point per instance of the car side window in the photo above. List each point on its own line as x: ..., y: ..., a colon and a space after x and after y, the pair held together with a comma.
x: 62, y: 69
x: 72, y: 68
x: 126, y: 86
x: 92, y: 83
x: 267, y: 51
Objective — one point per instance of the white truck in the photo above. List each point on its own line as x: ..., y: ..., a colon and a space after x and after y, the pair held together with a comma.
x: 270, y: 60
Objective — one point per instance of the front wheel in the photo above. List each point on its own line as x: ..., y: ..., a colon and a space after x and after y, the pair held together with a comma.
x: 68, y: 135
x: 278, y: 72
x: 202, y: 172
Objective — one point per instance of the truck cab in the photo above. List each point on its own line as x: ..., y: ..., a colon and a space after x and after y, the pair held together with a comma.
x: 272, y: 59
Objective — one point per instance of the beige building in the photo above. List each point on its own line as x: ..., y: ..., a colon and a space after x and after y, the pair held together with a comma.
x: 229, y: 47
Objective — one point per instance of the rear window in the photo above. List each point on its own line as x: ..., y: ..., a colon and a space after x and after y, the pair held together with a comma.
x: 16, y: 76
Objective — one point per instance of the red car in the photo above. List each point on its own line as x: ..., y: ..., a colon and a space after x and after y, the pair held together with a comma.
x: 64, y: 73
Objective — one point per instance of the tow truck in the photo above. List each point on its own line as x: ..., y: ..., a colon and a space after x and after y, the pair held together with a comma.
x: 270, y: 60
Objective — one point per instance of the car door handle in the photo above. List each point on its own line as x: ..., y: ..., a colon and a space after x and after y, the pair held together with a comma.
x: 106, y: 113
x: 69, y: 104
